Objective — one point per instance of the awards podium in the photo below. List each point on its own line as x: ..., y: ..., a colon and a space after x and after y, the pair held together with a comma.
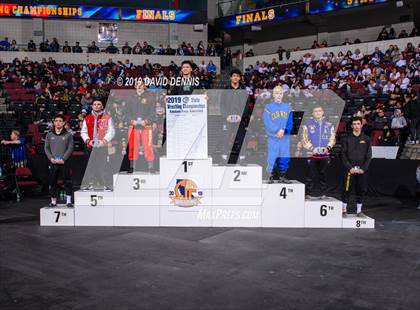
x: 191, y: 191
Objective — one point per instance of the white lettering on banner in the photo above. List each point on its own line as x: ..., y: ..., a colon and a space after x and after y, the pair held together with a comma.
x: 220, y: 214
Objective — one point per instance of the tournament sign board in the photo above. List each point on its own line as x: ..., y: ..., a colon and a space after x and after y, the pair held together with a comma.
x: 186, y: 127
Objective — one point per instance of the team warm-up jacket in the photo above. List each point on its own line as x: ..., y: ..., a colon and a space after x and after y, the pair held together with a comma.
x: 356, y: 151
x: 318, y: 134
x: 58, y: 145
x: 277, y: 116
x: 100, y: 124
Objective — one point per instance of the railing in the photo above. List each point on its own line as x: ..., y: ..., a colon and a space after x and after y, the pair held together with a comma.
x: 95, y: 58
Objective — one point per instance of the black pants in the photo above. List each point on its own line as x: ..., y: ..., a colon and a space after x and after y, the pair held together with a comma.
x: 415, y: 128
x: 59, y: 173
x: 317, y: 169
x: 360, y: 184
x: 98, y: 169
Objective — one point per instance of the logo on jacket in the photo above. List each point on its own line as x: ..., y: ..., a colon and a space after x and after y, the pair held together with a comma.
x: 185, y: 194
x: 311, y: 129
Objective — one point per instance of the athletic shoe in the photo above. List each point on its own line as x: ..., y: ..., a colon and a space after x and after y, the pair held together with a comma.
x: 344, y: 213
x: 69, y: 205
x: 52, y: 205
x: 224, y: 157
x: 309, y: 197
x: 360, y: 214
x: 284, y: 180
x: 107, y: 189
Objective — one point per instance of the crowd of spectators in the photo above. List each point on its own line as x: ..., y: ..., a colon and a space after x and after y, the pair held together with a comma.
x: 70, y: 89
x: 385, y: 34
x: 391, y: 78
x: 183, y: 49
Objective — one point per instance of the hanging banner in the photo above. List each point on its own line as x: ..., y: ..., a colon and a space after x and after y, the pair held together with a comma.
x: 99, y: 12
x: 287, y: 11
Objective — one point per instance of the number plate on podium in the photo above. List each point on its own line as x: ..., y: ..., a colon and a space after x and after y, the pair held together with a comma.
x: 93, y: 198
x: 283, y: 205
x: 237, y: 185
x: 325, y: 213
x: 94, y: 208
x: 57, y: 216
x: 136, y: 189
x: 352, y: 221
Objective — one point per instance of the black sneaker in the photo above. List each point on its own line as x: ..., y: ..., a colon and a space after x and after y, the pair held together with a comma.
x: 52, y: 205
x: 344, y: 213
x: 69, y: 205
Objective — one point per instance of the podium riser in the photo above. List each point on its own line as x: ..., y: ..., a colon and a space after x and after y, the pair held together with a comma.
x: 94, y: 216
x: 236, y: 216
x: 136, y: 215
x: 323, y: 213
x: 58, y: 216
x: 283, y: 205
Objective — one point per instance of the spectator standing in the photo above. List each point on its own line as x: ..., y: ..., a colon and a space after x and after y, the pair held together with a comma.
x: 17, y: 150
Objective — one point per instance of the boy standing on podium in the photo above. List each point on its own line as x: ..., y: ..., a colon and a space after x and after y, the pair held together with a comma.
x: 278, y: 121
x: 356, y: 156
x: 318, y: 139
x: 58, y: 148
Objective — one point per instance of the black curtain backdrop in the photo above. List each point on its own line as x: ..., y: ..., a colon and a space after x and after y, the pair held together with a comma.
x: 385, y: 177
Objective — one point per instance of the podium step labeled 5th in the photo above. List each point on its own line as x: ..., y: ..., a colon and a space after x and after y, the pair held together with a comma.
x: 94, y: 208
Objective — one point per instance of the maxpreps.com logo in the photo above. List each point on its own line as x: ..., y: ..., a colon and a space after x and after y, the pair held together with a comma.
x: 185, y: 194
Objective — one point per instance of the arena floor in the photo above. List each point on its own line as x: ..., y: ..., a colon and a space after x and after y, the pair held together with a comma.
x: 211, y: 268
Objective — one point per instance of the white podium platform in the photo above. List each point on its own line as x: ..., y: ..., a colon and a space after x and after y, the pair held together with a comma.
x: 326, y: 213
x: 237, y: 185
x: 194, y: 193
x: 283, y: 205
x: 352, y: 221
x: 136, y: 189
x: 56, y: 216
x: 94, y: 208
x: 186, y: 192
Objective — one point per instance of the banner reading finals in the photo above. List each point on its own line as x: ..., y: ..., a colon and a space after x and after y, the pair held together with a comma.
x: 186, y: 127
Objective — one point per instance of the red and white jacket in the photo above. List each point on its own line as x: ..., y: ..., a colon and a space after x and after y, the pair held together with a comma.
x: 104, y: 127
